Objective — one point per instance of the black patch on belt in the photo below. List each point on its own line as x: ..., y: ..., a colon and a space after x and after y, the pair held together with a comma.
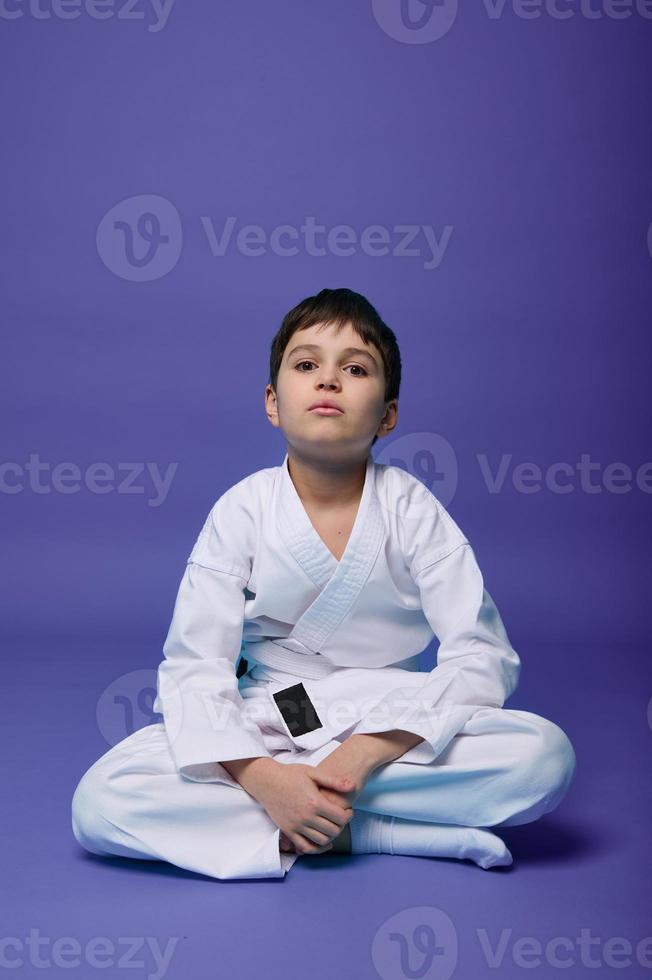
x: 243, y: 667
x: 299, y: 713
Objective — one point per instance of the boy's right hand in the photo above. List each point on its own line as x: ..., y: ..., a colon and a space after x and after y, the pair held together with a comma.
x: 309, y: 819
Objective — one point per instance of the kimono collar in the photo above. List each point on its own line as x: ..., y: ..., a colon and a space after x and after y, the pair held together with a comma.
x: 340, y: 581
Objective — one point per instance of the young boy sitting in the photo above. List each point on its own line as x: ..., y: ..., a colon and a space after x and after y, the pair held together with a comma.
x: 330, y: 574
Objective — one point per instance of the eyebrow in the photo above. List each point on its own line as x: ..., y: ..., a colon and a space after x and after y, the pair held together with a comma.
x: 347, y: 350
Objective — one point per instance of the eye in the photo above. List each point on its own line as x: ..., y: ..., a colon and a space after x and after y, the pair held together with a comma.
x: 358, y: 367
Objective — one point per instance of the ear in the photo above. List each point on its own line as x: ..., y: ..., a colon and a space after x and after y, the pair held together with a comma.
x: 389, y: 419
x: 271, y: 406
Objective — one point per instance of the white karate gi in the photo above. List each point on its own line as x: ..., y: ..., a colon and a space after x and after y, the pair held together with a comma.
x: 261, y: 582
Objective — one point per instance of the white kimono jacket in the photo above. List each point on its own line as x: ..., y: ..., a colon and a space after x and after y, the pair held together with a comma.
x: 261, y: 582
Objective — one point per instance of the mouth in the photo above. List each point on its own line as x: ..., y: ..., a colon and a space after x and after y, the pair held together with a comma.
x: 325, y: 410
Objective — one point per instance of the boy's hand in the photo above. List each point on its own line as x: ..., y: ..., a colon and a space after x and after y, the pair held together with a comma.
x: 348, y: 762
x: 344, y: 762
x: 306, y: 804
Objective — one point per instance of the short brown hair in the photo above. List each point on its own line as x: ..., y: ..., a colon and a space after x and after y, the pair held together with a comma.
x: 338, y: 307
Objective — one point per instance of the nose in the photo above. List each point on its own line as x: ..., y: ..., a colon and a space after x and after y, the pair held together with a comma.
x: 328, y: 380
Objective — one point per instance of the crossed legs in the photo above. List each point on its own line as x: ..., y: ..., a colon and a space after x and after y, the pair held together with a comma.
x: 505, y: 767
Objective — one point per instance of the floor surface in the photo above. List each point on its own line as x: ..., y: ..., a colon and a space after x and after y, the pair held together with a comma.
x: 575, y: 902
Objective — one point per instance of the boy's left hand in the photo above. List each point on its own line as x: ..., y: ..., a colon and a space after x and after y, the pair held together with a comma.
x: 346, y: 760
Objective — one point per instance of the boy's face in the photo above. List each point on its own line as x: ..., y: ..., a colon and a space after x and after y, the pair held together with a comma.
x: 353, y: 379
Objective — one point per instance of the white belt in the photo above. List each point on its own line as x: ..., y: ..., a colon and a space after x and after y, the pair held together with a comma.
x: 309, y: 665
x: 270, y: 654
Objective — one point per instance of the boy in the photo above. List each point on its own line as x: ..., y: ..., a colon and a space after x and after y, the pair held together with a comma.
x: 330, y: 573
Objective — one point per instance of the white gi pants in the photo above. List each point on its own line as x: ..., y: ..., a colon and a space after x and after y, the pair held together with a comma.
x: 504, y: 767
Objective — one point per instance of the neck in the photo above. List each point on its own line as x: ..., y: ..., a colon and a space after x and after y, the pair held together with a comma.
x: 326, y: 484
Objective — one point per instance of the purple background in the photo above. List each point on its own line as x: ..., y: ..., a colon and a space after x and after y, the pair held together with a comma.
x: 530, y: 139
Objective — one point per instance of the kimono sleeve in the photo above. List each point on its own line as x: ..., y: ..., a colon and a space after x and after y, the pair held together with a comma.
x: 197, y: 687
x: 476, y: 664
